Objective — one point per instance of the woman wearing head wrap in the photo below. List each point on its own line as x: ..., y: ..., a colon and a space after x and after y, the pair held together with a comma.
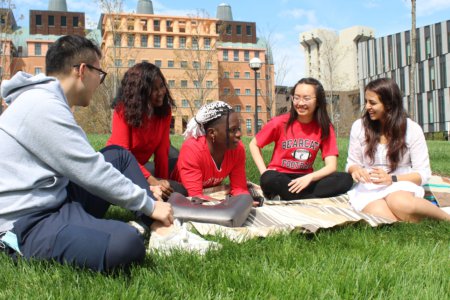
x: 212, y: 151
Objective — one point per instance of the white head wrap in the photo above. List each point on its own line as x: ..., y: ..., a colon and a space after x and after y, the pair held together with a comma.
x: 205, y: 114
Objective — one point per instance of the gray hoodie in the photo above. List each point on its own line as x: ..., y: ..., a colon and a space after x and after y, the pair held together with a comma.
x: 42, y: 148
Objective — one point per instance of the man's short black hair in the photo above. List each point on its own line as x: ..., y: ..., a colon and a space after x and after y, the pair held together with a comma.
x: 68, y: 51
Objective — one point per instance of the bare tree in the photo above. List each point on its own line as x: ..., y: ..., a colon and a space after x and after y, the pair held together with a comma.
x: 412, y: 67
x: 197, y: 55
x: 331, y: 57
x: 280, y: 69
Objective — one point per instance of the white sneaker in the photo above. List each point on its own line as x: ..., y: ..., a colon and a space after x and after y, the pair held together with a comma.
x: 180, y: 239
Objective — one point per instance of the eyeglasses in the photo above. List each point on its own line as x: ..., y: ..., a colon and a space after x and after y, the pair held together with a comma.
x: 100, y: 71
x: 296, y: 99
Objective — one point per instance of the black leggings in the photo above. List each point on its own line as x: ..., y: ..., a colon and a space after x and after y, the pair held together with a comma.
x: 275, y: 183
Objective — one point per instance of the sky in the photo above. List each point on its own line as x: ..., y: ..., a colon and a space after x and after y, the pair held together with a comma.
x: 280, y: 20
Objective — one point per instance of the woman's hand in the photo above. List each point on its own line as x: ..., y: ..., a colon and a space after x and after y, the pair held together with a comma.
x: 157, y: 193
x: 298, y: 184
x: 166, y: 189
x: 380, y: 176
x: 360, y: 174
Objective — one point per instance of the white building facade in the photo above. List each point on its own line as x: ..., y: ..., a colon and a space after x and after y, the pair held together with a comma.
x: 390, y: 56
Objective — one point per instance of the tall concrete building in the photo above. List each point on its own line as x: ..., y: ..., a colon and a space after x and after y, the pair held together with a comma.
x: 203, y: 59
x: 332, y: 58
x: 390, y: 56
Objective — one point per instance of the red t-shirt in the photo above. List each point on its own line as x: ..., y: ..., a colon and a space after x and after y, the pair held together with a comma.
x: 151, y: 138
x: 295, y: 148
x: 196, y: 168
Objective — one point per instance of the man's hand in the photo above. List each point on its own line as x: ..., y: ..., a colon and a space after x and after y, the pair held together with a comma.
x: 163, y: 212
x: 157, y: 193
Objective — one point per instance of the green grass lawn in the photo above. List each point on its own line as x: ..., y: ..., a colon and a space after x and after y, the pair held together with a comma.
x: 401, y: 261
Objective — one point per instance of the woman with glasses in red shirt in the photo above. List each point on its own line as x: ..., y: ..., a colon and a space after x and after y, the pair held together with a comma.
x: 298, y: 137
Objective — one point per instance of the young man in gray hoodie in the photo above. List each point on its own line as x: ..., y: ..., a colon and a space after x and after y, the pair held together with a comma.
x: 54, y: 187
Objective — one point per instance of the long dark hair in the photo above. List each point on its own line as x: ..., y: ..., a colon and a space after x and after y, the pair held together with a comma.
x: 320, y: 114
x: 135, y: 92
x: 395, y: 120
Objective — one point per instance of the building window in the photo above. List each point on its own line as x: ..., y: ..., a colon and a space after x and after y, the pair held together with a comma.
x: 157, y: 41
x: 238, y: 29
x: 207, y: 43
x: 257, y: 54
x: 184, y: 83
x: 130, y: 40
x: 259, y: 92
x: 209, y: 84
x: 237, y: 108
x: 258, y: 108
x: 75, y: 22
x: 182, y: 26
x: 117, y: 40
x: 196, y: 84
x: 171, y: 83
x: 63, y: 21
x: 170, y: 42
x: 247, y: 55
x: 158, y: 63
x: 408, y: 53
x: 144, y: 41
x: 226, y: 91
x: 156, y: 25
x: 430, y: 110
x: 236, y: 75
x: 247, y: 75
x: 248, y: 29
x: 259, y: 124
x: 225, y: 55
x: 183, y: 64
x: 247, y: 92
x: 131, y: 62
x: 248, y: 124
x: 169, y: 26
x: 51, y: 20
x: 197, y: 103
x: 118, y: 62
x: 258, y: 75
x: 237, y: 92
x: 37, y: 49
x: 170, y: 64
x: 184, y: 103
x: 432, y: 77
x: 37, y: 70
x: 143, y: 23
x: 228, y: 29
x: 226, y: 74
x: 194, y: 43
x: 182, y: 42
x: 208, y: 65
x: 236, y: 55
x: 195, y: 64
x: 428, y: 47
x: 39, y: 20
x: 248, y: 108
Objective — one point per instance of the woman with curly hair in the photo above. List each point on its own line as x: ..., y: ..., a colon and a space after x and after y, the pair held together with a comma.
x: 388, y: 158
x: 141, y: 123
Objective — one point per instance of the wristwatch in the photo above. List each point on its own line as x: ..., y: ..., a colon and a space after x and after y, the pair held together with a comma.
x: 394, y: 178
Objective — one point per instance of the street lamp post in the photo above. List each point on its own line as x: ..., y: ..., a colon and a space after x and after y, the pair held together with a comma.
x: 255, y: 64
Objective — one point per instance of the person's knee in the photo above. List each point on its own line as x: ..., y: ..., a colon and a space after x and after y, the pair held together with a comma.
x: 267, y: 178
x: 402, y: 205
x: 126, y: 246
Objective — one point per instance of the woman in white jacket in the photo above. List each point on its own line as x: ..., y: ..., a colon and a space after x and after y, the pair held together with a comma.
x: 388, y: 158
